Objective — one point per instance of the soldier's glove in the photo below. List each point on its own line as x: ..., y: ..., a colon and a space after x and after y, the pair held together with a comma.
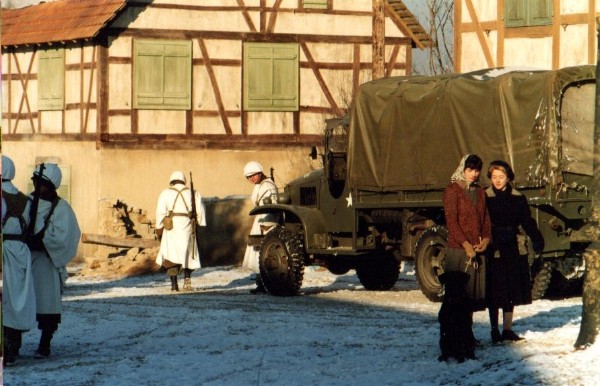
x: 159, y: 233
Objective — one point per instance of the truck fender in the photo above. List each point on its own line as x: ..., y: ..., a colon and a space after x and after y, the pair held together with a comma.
x: 312, y: 220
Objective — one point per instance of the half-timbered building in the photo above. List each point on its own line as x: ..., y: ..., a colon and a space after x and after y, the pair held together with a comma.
x: 547, y: 34
x: 123, y: 92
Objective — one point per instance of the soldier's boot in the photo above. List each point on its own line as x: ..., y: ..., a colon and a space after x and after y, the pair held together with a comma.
x: 43, y: 350
x: 260, y: 287
x: 11, y: 349
x: 174, y: 285
x: 187, y: 284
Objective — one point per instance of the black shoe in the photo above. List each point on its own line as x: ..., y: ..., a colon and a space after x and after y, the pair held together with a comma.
x: 496, y: 337
x: 42, y: 352
x: 174, y: 285
x: 9, y: 358
x: 510, y: 335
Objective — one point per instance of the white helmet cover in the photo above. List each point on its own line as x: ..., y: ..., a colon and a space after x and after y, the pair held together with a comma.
x: 251, y: 168
x: 177, y: 176
x: 51, y: 173
x: 8, y: 168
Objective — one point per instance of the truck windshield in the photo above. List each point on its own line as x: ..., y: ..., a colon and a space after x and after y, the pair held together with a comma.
x: 577, y: 124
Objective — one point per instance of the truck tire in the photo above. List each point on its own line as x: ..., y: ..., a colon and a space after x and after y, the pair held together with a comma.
x: 281, y: 262
x: 338, y: 268
x: 430, y: 251
x: 378, y: 274
x: 541, y: 274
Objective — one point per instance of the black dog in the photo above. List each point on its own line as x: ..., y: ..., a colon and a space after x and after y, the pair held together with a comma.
x: 456, y: 318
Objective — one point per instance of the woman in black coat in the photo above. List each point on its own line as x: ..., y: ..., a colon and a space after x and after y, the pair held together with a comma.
x: 508, y: 282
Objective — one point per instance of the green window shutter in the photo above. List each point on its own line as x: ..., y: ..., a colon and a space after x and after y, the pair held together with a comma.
x: 319, y: 4
x: 271, y: 73
x: 51, y: 79
x: 540, y: 12
x: 515, y: 13
x: 162, y: 74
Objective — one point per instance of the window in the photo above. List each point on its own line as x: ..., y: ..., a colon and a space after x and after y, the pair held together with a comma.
x: 318, y: 4
x: 51, y: 79
x: 271, y: 74
x: 162, y: 74
x: 526, y: 13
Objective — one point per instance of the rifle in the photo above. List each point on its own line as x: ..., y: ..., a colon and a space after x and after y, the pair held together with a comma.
x: 34, y: 207
x: 193, y: 213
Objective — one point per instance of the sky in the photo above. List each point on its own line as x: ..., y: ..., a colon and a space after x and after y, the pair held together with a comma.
x: 135, y: 331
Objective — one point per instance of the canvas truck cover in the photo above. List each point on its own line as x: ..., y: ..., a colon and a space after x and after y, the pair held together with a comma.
x: 409, y: 133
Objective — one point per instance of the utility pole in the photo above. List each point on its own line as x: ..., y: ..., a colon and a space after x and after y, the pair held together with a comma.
x: 378, y: 39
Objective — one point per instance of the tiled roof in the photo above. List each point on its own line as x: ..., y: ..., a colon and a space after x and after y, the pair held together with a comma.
x: 57, y: 21
x: 414, y: 29
x: 68, y: 20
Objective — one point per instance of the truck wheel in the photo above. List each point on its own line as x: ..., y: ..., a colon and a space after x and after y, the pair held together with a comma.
x: 338, y: 268
x: 379, y: 274
x: 430, y: 251
x: 281, y: 262
x: 541, y: 273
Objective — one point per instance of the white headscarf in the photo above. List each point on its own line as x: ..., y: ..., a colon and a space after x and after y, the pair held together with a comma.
x: 459, y: 173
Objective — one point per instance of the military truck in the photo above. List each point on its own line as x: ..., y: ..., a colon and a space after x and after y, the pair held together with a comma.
x: 378, y: 199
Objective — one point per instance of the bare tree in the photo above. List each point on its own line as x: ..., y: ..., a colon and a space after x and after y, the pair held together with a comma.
x: 590, y: 315
x: 440, y: 26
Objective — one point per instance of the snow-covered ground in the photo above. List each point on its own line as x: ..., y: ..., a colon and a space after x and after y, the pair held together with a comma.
x: 136, y: 332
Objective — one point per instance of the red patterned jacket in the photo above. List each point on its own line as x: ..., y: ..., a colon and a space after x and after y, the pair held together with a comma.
x: 465, y: 221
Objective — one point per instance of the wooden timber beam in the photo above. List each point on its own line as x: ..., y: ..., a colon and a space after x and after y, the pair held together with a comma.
x: 24, y: 97
x: 246, y: 15
x: 556, y: 22
x: 250, y: 36
x: 89, y: 238
x: 592, y: 32
x: 378, y: 45
x: 215, y: 86
x: 321, y: 80
x: 479, y: 31
x: 273, y: 16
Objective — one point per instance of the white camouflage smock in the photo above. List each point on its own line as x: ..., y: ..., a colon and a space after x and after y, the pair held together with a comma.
x: 178, y: 245
x: 61, y: 240
x: 18, y: 293
x: 266, y: 189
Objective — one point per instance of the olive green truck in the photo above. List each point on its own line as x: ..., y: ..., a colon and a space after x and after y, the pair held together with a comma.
x: 378, y: 198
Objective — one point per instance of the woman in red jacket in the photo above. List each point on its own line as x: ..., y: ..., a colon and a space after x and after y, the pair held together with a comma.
x: 469, y: 233
x: 467, y: 219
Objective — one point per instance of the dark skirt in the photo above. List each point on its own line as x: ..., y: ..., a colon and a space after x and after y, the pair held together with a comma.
x: 508, y: 278
x: 456, y: 260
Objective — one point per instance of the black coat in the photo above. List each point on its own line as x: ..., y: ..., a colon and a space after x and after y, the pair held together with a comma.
x: 508, y: 281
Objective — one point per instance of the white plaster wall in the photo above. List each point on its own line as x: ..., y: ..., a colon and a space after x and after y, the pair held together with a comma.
x: 574, y: 6
x: 529, y: 52
x: 161, y: 121
x: 573, y: 50
x: 472, y: 54
x: 486, y: 10
x: 119, y: 86
x: 271, y: 123
x: 119, y: 125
